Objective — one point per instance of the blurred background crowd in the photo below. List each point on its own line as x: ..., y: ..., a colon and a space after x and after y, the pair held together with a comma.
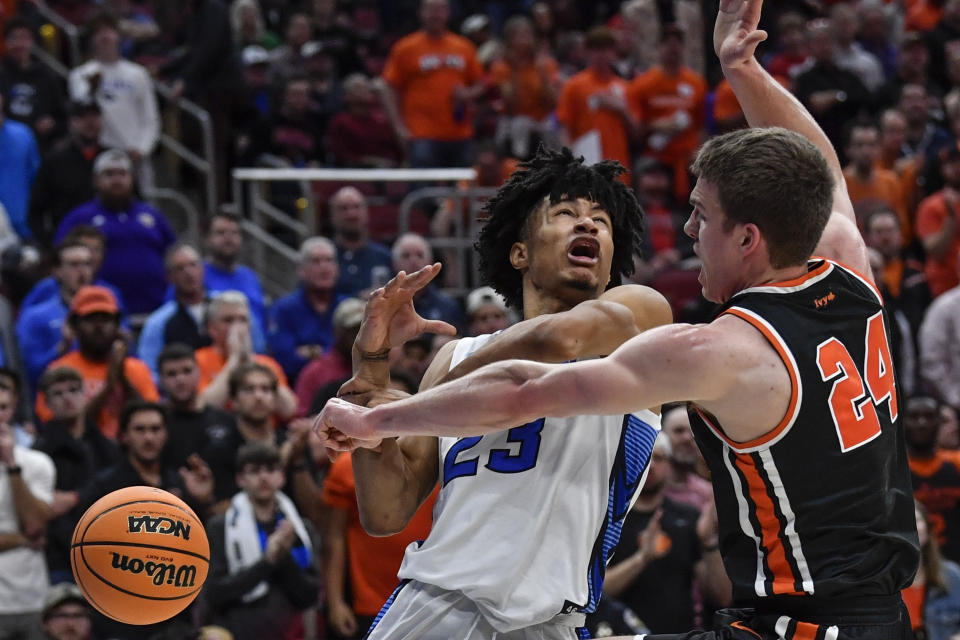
x: 165, y: 322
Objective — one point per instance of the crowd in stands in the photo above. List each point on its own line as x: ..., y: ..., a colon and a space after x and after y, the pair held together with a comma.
x: 132, y: 353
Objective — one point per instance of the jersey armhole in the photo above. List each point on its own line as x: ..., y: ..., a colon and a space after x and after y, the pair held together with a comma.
x: 856, y: 274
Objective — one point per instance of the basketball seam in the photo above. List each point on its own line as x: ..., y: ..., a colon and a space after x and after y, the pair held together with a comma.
x: 83, y: 556
x: 103, y: 543
x: 126, y: 504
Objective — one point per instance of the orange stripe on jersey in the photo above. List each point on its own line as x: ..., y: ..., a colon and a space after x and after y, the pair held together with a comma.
x: 805, y: 631
x: 794, y: 385
x: 798, y: 281
x: 742, y: 627
x: 784, y: 580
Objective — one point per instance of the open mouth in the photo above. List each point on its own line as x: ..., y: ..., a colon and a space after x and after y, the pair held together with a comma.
x: 584, y: 251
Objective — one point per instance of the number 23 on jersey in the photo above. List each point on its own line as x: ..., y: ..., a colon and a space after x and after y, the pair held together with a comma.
x: 858, y: 391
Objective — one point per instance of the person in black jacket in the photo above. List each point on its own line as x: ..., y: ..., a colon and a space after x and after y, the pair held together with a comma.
x: 78, y: 450
x: 263, y: 560
x: 65, y: 178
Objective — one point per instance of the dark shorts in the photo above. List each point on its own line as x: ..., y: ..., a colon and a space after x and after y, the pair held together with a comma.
x: 748, y: 624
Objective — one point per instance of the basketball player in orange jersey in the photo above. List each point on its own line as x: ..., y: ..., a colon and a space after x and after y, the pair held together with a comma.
x: 792, y: 390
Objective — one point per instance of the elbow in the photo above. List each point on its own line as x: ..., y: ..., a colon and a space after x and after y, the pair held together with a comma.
x: 379, y: 526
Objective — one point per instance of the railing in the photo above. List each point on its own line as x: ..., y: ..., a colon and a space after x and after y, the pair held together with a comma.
x: 69, y: 30
x: 276, y: 262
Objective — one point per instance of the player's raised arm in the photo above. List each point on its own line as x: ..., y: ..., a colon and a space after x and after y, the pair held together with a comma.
x: 766, y: 103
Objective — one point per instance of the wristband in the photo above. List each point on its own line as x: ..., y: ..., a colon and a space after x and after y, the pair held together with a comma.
x: 14, y: 470
x: 375, y: 356
x: 710, y: 548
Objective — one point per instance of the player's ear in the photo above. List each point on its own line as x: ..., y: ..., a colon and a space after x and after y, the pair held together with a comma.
x: 750, y: 238
x: 519, y: 258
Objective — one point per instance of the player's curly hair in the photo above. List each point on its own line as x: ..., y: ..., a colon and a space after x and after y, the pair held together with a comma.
x: 559, y: 176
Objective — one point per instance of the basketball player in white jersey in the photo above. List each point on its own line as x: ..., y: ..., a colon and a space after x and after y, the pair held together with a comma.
x: 526, y: 518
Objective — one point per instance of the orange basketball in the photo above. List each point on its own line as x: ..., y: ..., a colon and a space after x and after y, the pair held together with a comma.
x: 140, y: 555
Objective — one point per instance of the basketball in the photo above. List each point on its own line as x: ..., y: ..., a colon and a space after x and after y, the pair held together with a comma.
x: 140, y: 555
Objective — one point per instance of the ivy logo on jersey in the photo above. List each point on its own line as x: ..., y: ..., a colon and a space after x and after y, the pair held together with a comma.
x: 162, y: 525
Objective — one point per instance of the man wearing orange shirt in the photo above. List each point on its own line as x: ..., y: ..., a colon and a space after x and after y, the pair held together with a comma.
x: 429, y: 82
x: 893, y: 140
x: 595, y: 100
x: 937, y: 226
x: 228, y: 325
x: 372, y: 562
x: 865, y: 181
x: 110, y: 377
x: 669, y: 102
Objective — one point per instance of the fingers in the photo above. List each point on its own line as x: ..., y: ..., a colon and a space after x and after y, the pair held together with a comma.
x: 754, y: 38
x: 439, y: 327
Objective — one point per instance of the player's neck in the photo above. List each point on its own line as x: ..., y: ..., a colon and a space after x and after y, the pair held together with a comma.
x: 537, y: 301
x: 772, y: 275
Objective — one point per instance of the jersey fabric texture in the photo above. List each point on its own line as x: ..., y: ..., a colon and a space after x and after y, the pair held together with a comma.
x: 527, y: 519
x: 820, y: 508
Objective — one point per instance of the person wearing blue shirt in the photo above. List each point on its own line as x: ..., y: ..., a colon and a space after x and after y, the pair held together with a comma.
x: 137, y: 235
x: 364, y: 264
x: 19, y: 162
x: 40, y: 328
x: 222, y: 272
x: 301, y: 323
x: 48, y: 288
x: 411, y: 252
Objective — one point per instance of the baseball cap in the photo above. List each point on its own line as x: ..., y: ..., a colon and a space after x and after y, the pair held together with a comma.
x: 349, y: 313
x: 474, y: 23
x: 311, y: 49
x: 59, y: 594
x: 254, y: 54
x: 81, y: 107
x: 112, y: 159
x: 482, y: 297
x: 94, y: 299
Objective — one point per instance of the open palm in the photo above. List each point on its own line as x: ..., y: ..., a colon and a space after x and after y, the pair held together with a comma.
x: 735, y: 36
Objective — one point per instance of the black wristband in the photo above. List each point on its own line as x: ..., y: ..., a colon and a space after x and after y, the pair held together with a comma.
x: 14, y: 470
x: 383, y: 354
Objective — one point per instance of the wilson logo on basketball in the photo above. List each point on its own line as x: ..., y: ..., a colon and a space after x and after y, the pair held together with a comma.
x: 161, y: 572
x: 164, y: 526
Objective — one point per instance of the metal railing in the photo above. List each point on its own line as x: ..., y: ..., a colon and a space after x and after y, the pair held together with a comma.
x: 69, y: 30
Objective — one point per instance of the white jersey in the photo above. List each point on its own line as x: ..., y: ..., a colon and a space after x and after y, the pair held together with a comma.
x: 527, y: 519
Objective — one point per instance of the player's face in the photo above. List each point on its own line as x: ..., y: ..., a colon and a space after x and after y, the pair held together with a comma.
x: 145, y: 436
x: 260, y: 481
x: 921, y: 422
x: 256, y: 397
x: 69, y: 621
x: 720, y: 271
x: 568, y: 251
x: 65, y: 399
x: 179, y: 379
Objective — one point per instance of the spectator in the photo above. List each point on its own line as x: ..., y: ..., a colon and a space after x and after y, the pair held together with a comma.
x: 875, y: 36
x: 939, y: 342
x: 935, y: 472
x: 256, y: 65
x: 79, y: 451
x: 850, y: 54
x: 666, y: 244
x: 411, y: 252
x: 293, y: 133
x: 943, y: 39
x: 895, y: 156
x: 913, y: 64
x: 352, y: 557
x: 66, y: 614
x: 19, y: 161
x: 486, y: 312
x: 286, y: 59
x: 867, y: 183
x: 335, y: 363
x: 137, y: 234
x: 301, y: 323
x: 429, y: 84
x: 924, y: 136
x: 222, y: 271
x: 937, y: 225
x: 529, y: 85
x: 360, y: 135
x: 326, y: 92
x: 63, y: 180
x: 48, y: 288
x: 933, y: 600
x: 26, y: 495
x: 124, y: 91
x: 669, y: 103
x: 949, y: 437
x: 263, y: 563
x: 664, y: 547
x: 228, y: 325
x: 194, y: 428
x: 594, y: 103
x: 110, y: 378
x: 337, y: 38
x: 247, y: 27
x: 832, y: 94
x: 683, y: 485
x: 32, y: 94
x: 142, y: 435
x: 41, y: 329
x: 791, y: 46
x: 363, y: 263
x: 17, y: 410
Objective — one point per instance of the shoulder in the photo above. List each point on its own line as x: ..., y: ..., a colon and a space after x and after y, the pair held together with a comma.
x: 650, y: 308
x: 440, y: 366
x: 408, y: 43
x: 286, y: 304
x: 163, y: 313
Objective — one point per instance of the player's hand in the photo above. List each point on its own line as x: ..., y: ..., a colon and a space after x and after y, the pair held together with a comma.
x: 389, y: 319
x: 198, y: 479
x: 341, y: 618
x: 342, y: 426
x: 735, y: 36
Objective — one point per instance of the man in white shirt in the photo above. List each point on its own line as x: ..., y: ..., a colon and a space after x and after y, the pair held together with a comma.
x: 125, y: 94
x: 27, y: 480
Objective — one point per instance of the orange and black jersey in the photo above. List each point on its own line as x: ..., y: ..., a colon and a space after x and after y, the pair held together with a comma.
x: 821, y: 505
x: 936, y: 483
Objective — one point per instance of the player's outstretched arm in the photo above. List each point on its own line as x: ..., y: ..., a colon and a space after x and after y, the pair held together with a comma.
x: 676, y: 362
x: 766, y: 103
